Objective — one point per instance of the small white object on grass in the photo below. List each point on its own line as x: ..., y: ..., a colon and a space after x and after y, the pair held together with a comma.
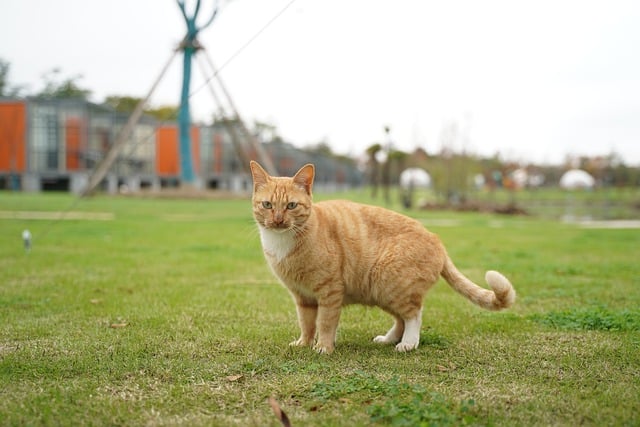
x: 26, y: 238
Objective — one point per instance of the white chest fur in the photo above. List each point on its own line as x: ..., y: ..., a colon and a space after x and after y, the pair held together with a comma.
x: 276, y: 244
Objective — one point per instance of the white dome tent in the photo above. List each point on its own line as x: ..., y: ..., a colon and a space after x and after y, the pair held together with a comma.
x: 415, y: 178
x: 577, y: 179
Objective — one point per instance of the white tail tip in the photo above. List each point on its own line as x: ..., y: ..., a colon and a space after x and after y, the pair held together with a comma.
x: 502, y: 288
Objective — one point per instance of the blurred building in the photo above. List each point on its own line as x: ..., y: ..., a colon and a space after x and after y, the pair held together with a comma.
x: 54, y: 144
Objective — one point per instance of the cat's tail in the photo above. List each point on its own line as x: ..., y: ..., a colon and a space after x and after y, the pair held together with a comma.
x: 501, y: 296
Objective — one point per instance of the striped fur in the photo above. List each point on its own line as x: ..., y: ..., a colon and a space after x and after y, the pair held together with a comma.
x: 334, y: 253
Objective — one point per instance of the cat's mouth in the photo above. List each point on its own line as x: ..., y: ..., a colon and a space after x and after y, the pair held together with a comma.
x: 278, y: 227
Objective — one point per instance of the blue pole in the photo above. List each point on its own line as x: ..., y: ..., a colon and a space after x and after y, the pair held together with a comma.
x: 184, y: 118
x: 189, y: 47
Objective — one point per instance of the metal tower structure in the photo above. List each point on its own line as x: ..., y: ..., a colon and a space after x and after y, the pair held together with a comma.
x: 242, y: 139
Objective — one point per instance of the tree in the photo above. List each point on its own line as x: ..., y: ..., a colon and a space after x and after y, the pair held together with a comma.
x: 323, y: 148
x: 164, y: 113
x: 56, y: 87
x: 126, y: 104
x: 122, y: 104
x: 264, y: 131
x: 453, y: 173
x: 374, y: 168
x: 5, y: 88
x: 4, y: 77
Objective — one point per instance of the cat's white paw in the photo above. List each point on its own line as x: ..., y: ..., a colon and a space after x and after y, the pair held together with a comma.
x: 382, y: 339
x: 403, y: 347
x: 411, y: 336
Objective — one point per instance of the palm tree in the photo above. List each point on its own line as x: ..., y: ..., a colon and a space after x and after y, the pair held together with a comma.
x: 374, y: 168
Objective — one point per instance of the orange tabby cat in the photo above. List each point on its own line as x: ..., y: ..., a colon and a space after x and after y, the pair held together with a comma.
x: 334, y: 253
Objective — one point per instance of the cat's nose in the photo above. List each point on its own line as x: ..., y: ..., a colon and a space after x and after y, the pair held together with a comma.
x: 278, y: 218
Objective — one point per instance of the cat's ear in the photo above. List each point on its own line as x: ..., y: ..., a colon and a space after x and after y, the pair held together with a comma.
x: 304, y: 177
x: 260, y: 176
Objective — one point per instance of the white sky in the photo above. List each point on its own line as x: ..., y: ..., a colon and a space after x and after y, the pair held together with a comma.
x: 533, y: 80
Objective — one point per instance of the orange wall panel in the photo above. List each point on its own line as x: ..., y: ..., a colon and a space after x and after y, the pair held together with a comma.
x: 13, y: 125
x: 74, y: 143
x: 167, y: 151
x: 167, y: 157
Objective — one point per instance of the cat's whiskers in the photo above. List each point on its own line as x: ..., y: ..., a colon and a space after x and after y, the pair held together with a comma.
x: 250, y: 231
x: 298, y: 229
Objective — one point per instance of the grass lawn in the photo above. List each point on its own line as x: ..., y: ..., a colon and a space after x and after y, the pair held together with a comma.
x: 167, y: 314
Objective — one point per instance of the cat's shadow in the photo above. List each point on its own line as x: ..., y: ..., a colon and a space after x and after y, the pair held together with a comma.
x: 429, y: 341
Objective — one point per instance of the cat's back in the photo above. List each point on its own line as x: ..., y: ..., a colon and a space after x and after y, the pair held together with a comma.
x: 370, y: 238
x: 348, y: 215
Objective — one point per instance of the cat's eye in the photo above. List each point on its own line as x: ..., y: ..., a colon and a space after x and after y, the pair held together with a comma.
x: 292, y: 205
x: 267, y: 205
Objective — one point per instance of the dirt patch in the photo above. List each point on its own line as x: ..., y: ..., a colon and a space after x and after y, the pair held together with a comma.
x: 58, y: 215
x: 612, y: 224
x: 187, y: 193
x: 509, y: 209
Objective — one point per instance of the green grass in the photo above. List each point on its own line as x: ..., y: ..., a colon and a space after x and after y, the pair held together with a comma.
x: 592, y: 319
x: 168, y: 315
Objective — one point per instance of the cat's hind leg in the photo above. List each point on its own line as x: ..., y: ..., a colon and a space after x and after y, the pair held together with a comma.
x: 411, y: 335
x: 393, y: 335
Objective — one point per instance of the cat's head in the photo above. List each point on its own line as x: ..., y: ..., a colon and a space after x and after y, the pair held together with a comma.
x: 282, y: 203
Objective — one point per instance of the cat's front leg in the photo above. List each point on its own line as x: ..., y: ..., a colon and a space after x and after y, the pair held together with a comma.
x: 307, y: 315
x: 328, y: 318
